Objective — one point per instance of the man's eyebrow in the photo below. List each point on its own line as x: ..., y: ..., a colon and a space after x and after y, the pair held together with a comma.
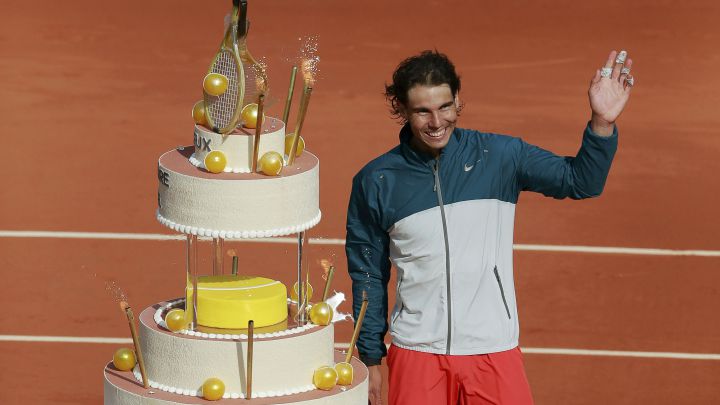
x: 425, y: 109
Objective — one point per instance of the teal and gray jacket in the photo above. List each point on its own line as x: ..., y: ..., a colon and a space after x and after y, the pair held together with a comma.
x: 446, y: 224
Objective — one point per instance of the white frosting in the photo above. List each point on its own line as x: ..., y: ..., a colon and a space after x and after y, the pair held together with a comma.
x: 238, y: 148
x: 243, y: 208
x: 280, y: 362
x: 227, y: 394
x: 115, y: 395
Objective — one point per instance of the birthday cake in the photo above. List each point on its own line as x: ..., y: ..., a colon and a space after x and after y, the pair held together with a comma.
x: 240, y: 339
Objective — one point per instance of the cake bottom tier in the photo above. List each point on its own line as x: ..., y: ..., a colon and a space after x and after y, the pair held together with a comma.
x: 121, y: 388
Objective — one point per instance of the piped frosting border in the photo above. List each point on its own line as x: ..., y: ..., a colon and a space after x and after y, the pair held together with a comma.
x: 157, y: 317
x: 225, y: 234
x: 227, y: 395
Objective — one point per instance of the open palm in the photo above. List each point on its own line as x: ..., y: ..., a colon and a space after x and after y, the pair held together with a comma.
x: 609, y: 95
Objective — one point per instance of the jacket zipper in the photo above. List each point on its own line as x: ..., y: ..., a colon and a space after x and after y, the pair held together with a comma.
x: 402, y: 304
x: 502, y: 291
x: 438, y: 191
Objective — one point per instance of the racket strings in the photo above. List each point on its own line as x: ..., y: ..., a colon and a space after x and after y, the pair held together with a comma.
x: 222, y: 109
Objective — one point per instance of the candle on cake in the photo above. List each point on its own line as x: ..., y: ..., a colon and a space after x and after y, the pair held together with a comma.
x: 345, y: 369
x: 329, y: 272
x: 125, y: 307
x: 249, y: 369
x: 291, y: 90
x: 258, y: 131
x: 309, y: 70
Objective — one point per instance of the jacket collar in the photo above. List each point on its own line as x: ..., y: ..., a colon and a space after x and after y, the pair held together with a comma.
x: 424, y: 157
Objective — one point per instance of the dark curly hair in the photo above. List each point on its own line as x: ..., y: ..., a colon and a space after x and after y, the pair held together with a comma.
x: 429, y: 68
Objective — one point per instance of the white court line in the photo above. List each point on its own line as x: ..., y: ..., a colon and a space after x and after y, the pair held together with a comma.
x: 340, y: 242
x: 621, y: 353
x: 63, y: 339
x: 526, y: 350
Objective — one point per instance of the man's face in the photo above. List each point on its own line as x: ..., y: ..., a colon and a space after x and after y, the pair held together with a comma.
x: 431, y: 112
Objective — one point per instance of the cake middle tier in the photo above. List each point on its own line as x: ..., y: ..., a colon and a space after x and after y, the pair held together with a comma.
x: 281, y: 364
x: 237, y: 205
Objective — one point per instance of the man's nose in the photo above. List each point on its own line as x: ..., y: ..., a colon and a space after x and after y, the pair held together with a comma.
x: 435, y: 119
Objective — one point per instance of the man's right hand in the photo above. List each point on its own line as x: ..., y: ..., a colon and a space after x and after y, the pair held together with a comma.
x: 375, y: 385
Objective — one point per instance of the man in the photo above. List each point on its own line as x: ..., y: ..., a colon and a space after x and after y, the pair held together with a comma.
x: 440, y: 207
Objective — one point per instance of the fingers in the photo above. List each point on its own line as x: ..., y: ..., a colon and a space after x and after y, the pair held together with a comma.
x: 629, y: 82
x: 607, y: 69
x: 625, y: 71
x: 617, y: 67
x: 618, y: 63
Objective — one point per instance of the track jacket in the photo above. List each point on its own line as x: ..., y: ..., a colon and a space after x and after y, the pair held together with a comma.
x: 446, y: 224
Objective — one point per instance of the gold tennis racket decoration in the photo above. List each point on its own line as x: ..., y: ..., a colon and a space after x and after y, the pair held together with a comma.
x: 223, y: 110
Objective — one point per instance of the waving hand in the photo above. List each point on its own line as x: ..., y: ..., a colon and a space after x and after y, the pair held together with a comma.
x: 610, y: 91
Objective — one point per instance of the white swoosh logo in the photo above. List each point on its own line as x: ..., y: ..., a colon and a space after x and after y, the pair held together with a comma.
x: 468, y: 167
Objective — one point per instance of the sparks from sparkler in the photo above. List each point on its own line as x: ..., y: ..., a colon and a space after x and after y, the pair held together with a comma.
x: 309, y: 59
x: 115, y: 291
x: 261, y: 75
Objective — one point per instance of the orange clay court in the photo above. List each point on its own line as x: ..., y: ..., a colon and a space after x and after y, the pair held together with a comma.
x: 618, y: 296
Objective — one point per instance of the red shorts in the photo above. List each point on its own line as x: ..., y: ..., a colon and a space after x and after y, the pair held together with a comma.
x: 419, y: 378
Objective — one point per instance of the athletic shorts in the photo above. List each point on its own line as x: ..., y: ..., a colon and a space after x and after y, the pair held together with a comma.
x: 418, y: 378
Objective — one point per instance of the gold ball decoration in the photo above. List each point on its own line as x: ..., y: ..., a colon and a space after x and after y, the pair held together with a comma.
x: 213, y: 389
x: 321, y: 313
x: 249, y: 115
x: 215, y: 161
x: 271, y: 163
x: 124, y: 359
x: 175, y: 320
x: 199, y: 113
x: 325, y: 378
x: 288, y: 145
x: 345, y: 373
x: 215, y: 84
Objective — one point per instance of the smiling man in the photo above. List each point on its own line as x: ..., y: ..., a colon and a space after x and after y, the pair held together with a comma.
x: 440, y: 208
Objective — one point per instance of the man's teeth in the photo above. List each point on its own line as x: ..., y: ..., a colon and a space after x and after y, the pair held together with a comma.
x: 436, y: 134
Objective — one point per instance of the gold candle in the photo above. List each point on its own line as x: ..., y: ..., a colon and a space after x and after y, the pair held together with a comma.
x: 304, y: 101
x: 306, y: 299
x: 291, y: 89
x: 258, y: 131
x: 136, y: 342
x: 358, y: 325
x: 248, y: 376
x: 330, y: 273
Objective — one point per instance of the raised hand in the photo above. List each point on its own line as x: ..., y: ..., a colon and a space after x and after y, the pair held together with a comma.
x: 609, y: 92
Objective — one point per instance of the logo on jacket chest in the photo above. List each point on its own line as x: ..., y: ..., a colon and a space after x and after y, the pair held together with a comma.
x: 470, y: 165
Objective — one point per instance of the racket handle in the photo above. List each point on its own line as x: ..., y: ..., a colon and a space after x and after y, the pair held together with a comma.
x: 242, y: 27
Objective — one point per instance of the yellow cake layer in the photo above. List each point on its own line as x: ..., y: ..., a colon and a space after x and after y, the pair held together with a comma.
x: 229, y: 302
